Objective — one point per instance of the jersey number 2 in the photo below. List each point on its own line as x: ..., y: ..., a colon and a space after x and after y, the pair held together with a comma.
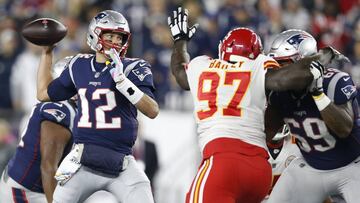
x: 232, y: 109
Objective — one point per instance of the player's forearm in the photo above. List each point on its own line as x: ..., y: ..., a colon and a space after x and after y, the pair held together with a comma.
x: 148, y: 106
x: 179, y: 58
x: 273, y: 122
x: 296, y: 76
x: 283, y: 80
x: 339, y: 119
x: 48, y: 181
x: 44, y: 74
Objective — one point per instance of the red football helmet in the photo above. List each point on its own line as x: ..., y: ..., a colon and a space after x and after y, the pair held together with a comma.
x: 240, y: 42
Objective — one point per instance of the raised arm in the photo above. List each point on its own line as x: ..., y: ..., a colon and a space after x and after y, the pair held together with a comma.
x: 339, y: 118
x: 44, y: 73
x: 141, y: 101
x: 273, y: 122
x: 54, y: 139
x: 179, y: 58
x: 181, y: 33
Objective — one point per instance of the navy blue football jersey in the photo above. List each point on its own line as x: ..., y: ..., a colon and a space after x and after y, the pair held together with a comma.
x: 320, y: 147
x: 106, y: 117
x: 24, y: 167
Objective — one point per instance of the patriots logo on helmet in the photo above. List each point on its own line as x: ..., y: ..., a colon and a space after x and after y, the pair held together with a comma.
x: 348, y: 90
x: 58, y: 115
x: 100, y: 16
x: 297, y: 39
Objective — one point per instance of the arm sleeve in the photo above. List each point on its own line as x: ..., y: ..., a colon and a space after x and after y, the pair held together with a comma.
x: 57, y: 113
x: 62, y: 88
x: 142, y: 77
x: 341, y: 89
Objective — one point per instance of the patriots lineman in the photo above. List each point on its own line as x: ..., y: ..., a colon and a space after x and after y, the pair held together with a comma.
x: 111, y: 89
x: 324, y: 119
x: 29, y: 176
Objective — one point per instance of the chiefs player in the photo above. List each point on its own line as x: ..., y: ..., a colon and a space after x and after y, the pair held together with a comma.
x: 229, y: 104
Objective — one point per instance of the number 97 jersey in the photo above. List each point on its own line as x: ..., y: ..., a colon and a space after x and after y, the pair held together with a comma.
x: 229, y: 99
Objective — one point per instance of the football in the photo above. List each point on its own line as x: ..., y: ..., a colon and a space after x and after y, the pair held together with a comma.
x: 44, y: 31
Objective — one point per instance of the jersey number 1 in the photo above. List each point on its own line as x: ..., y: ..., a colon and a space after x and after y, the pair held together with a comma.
x: 232, y: 109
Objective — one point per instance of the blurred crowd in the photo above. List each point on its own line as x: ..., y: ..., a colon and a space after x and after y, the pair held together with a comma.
x: 331, y: 22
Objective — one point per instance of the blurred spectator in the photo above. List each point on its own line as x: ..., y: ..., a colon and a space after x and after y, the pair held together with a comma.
x: 8, y: 54
x: 158, y: 54
x: 354, y: 70
x: 23, y: 78
x: 207, y: 39
x: 72, y: 43
x: 295, y: 15
x: 7, y: 144
x: 270, y: 21
x: 328, y: 26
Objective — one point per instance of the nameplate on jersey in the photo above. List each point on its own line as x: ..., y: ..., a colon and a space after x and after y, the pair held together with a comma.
x: 218, y: 64
x: 141, y: 74
x: 93, y: 83
x: 58, y: 115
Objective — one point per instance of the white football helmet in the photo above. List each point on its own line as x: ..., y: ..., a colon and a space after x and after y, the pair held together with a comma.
x: 108, y: 21
x: 292, y: 45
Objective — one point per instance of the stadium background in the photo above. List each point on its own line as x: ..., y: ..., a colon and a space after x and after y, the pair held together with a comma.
x: 331, y: 22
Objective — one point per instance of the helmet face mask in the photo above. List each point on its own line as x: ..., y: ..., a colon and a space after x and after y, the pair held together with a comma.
x: 292, y: 45
x: 240, y: 42
x: 105, y: 22
x: 108, y: 43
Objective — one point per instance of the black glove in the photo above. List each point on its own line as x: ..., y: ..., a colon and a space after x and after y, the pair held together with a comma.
x: 178, y: 24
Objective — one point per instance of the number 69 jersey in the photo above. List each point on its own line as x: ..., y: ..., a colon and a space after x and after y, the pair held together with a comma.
x: 320, y: 147
x: 229, y: 99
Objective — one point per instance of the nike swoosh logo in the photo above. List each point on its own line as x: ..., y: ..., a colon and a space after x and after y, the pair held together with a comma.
x: 142, y: 64
x: 346, y: 79
x: 59, y: 105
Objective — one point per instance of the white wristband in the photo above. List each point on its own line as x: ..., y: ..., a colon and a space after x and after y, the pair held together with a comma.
x: 130, y: 91
x: 322, y: 101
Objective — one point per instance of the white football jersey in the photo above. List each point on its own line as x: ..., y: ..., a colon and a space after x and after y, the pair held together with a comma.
x: 229, y: 99
x: 285, y: 155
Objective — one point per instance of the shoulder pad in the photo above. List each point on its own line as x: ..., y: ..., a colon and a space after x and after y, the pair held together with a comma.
x: 267, y: 61
x: 199, y: 59
x: 132, y: 63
